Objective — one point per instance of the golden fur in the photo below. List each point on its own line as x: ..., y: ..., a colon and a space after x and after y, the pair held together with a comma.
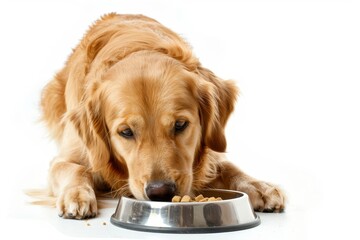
x: 129, y: 72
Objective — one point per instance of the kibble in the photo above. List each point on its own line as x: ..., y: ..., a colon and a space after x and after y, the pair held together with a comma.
x: 199, y: 198
x: 176, y: 199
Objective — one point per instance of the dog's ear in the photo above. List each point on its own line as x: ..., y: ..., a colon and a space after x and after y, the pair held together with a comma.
x: 88, y: 120
x: 99, y: 37
x: 98, y: 43
x: 217, y: 100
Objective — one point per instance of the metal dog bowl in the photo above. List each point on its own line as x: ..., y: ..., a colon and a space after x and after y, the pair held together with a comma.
x: 233, y: 213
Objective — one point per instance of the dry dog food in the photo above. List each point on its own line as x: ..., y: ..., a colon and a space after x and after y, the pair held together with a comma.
x: 199, y: 198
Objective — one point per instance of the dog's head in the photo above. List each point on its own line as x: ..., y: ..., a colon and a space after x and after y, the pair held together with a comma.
x: 150, y: 119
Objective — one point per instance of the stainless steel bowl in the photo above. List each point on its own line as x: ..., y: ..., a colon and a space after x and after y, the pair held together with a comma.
x: 233, y: 213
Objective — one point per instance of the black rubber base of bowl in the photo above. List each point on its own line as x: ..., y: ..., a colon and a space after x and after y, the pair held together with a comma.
x: 143, y: 228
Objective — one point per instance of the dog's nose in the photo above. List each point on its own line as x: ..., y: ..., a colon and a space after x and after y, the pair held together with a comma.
x: 160, y: 190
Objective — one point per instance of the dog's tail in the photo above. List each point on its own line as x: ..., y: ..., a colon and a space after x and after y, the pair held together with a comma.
x: 41, y: 197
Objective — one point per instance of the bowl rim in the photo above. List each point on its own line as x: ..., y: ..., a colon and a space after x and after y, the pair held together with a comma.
x: 238, y: 193
x: 216, y: 229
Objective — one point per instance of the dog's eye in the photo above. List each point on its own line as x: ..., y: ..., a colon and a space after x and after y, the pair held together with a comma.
x: 180, y: 126
x: 127, y: 133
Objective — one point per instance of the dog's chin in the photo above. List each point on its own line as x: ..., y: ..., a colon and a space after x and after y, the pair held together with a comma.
x: 184, y: 191
x: 137, y: 190
x: 184, y: 185
x: 140, y: 197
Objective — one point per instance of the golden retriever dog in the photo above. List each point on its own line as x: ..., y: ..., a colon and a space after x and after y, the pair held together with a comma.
x: 135, y: 113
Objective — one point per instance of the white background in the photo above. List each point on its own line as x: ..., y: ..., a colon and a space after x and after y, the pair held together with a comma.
x: 296, y: 123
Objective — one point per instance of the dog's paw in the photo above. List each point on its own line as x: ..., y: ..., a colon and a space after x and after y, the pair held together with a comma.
x: 265, y: 197
x: 77, y: 203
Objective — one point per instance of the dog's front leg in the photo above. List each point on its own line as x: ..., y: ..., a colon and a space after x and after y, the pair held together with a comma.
x: 264, y: 196
x: 73, y: 187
